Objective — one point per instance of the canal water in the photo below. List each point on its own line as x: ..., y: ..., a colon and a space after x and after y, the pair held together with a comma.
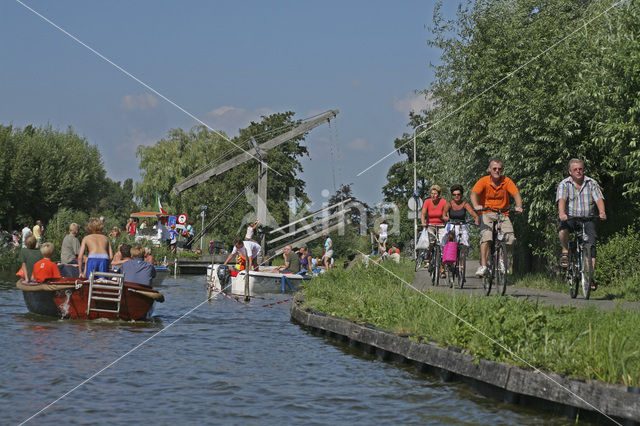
x: 224, y: 363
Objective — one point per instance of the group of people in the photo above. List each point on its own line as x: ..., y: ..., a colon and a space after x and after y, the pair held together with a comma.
x: 79, y: 259
x: 577, y: 196
x: 385, y: 253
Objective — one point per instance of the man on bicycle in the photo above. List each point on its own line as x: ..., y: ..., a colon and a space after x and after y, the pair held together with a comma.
x: 576, y: 197
x: 493, y: 192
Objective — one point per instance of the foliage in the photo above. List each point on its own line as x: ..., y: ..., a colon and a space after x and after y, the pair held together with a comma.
x: 43, y: 170
x: 619, y: 257
x: 582, y: 342
x: 181, y: 154
x: 9, y: 259
x: 536, y: 83
x: 58, y: 227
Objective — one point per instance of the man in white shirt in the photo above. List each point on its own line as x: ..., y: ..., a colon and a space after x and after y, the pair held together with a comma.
x: 247, y: 249
x: 26, y: 231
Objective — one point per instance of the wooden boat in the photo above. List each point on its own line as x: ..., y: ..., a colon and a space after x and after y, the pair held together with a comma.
x: 104, y: 296
x: 260, y: 282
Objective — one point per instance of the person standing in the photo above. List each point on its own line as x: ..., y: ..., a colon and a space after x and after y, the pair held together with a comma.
x: 382, y: 233
x: 578, y: 196
x: 493, y: 192
x: 38, y: 230
x: 70, y: 245
x: 100, y: 253
x: 26, y: 231
x: 328, y: 251
x: 251, y: 229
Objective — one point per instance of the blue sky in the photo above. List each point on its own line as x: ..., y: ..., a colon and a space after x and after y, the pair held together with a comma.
x: 227, y: 63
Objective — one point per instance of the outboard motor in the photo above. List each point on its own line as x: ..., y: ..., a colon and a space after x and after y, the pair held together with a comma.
x: 224, y: 276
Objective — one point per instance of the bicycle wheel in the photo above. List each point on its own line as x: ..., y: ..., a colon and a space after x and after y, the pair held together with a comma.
x: 501, y: 269
x: 573, y: 273
x: 436, y: 261
x: 419, y: 259
x: 451, y: 274
x: 586, y: 277
x: 461, y: 266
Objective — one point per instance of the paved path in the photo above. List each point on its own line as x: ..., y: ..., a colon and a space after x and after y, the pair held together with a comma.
x: 474, y: 286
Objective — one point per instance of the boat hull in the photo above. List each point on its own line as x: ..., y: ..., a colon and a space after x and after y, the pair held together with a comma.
x: 262, y: 282
x: 68, y: 297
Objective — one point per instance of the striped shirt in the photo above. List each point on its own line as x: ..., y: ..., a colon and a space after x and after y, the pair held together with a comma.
x: 580, y: 202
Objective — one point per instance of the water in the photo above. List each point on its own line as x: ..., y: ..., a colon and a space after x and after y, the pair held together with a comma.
x: 225, y: 363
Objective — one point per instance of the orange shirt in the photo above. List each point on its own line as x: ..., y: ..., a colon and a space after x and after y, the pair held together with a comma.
x: 44, y: 269
x: 496, y: 197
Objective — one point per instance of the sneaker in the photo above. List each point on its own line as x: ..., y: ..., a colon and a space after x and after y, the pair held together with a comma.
x: 501, y: 267
x: 482, y: 271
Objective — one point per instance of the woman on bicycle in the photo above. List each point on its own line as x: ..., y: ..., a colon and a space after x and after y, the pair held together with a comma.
x: 457, y: 209
x: 433, y: 213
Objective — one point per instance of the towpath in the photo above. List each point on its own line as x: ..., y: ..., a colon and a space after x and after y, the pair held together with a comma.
x: 474, y: 286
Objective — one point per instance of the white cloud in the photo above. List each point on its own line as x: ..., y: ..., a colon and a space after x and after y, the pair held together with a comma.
x: 359, y: 145
x: 142, y: 102
x: 229, y: 118
x: 416, y: 102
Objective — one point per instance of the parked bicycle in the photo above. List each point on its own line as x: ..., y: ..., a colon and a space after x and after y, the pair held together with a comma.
x: 456, y: 271
x: 497, y: 264
x: 580, y: 265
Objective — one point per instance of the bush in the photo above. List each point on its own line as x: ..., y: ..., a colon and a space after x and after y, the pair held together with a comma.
x: 619, y: 257
x: 9, y: 259
x: 58, y: 227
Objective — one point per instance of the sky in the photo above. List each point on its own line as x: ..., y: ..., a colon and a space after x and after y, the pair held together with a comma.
x: 225, y: 63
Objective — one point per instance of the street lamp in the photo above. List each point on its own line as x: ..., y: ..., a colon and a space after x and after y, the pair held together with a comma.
x: 202, y: 210
x: 415, y: 189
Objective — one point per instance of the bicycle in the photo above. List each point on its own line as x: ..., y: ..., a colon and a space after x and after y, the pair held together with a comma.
x: 456, y: 271
x: 580, y: 265
x: 436, y: 256
x: 497, y: 263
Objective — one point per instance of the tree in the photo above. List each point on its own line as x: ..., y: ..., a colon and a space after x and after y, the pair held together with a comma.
x: 538, y: 83
x: 182, y: 154
x: 44, y: 170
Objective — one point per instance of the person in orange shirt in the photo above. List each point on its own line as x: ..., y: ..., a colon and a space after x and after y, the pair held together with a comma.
x: 493, y: 191
x: 45, y: 268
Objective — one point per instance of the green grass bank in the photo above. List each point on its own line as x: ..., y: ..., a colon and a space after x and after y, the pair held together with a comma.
x: 580, y: 342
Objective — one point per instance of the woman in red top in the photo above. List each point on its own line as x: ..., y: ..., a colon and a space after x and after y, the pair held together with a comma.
x: 433, y: 213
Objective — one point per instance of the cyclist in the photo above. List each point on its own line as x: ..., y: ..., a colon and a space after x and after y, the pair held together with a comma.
x: 493, y: 192
x: 577, y: 196
x: 457, y: 209
x: 433, y: 214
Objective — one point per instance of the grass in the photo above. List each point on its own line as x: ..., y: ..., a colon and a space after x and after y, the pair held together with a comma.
x: 585, y: 343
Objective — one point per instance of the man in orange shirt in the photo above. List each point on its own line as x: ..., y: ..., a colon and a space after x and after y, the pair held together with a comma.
x: 45, y: 268
x: 493, y: 191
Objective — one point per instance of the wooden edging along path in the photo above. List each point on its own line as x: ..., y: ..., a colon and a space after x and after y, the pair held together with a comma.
x: 503, y: 381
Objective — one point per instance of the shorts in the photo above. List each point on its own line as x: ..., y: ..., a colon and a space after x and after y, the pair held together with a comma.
x: 573, y: 225
x: 435, y: 234
x: 382, y: 238
x: 462, y: 234
x: 328, y: 254
x: 97, y: 262
x: 486, y: 227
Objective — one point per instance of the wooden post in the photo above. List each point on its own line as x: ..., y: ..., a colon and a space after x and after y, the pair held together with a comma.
x: 246, y: 284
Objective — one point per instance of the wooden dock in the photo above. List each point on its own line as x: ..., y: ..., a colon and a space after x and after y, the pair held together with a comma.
x: 191, y: 266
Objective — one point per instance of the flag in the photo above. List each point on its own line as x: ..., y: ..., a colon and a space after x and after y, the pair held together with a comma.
x: 158, y: 206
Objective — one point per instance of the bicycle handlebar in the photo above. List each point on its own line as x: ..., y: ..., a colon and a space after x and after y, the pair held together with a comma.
x: 583, y: 218
x: 500, y: 211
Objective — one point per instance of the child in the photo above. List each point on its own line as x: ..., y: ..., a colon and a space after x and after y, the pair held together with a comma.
x: 45, y: 268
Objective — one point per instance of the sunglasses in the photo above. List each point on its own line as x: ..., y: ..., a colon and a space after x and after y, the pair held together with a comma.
x: 456, y: 194
x: 496, y: 169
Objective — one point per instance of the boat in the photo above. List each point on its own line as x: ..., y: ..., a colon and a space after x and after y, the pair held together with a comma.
x: 103, y: 295
x: 265, y: 281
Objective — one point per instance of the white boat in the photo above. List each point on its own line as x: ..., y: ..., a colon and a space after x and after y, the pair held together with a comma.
x: 264, y: 281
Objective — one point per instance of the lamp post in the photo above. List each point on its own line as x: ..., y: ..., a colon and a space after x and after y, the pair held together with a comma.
x: 202, y: 210
x: 415, y: 189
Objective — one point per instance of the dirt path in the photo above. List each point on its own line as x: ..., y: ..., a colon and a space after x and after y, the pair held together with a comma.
x: 474, y: 286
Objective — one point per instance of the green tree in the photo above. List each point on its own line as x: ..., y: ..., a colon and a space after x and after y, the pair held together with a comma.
x: 181, y: 154
x: 44, y: 170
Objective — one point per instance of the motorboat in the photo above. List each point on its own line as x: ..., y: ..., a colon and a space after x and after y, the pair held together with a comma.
x: 221, y: 278
x: 102, y: 295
